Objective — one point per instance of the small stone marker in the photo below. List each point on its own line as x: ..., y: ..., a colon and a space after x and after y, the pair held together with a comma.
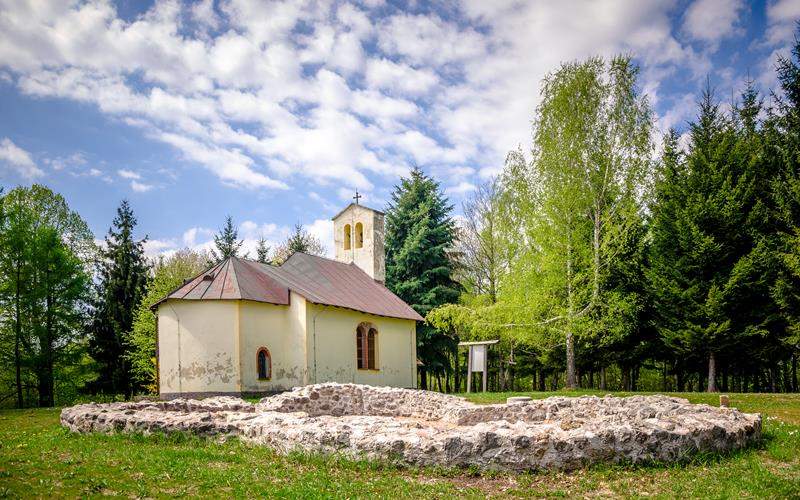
x: 517, y: 399
x: 724, y: 401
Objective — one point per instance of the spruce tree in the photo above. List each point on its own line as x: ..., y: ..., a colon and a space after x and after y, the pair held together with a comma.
x: 121, y: 280
x: 419, y: 234
x: 782, y: 131
x: 705, y: 229
x: 262, y: 251
x: 227, y: 242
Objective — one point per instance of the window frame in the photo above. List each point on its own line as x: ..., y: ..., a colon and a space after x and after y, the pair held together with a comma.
x: 367, y: 353
x: 268, y: 361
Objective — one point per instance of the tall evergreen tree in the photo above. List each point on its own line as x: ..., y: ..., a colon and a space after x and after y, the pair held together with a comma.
x: 121, y: 280
x: 419, y: 234
x: 782, y: 131
x: 705, y: 227
x: 227, y: 242
x: 262, y: 251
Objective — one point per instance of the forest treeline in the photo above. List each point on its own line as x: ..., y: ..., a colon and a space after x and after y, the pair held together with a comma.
x: 75, y: 318
x: 605, y: 260
x: 605, y: 256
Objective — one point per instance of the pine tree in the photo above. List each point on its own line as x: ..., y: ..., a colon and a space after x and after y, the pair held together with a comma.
x: 122, y: 277
x: 227, y: 242
x: 419, y: 234
x: 262, y: 251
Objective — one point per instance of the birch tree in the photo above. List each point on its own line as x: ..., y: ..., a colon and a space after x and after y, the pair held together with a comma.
x: 580, y: 196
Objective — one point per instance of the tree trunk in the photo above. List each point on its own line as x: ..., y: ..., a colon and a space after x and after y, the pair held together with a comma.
x: 18, y: 337
x: 423, y: 380
x: 626, y: 378
x: 603, y: 381
x: 571, y: 384
x: 457, y: 374
x: 794, y: 372
x: 542, y: 381
x: 772, y: 377
x: 712, y: 373
x: 570, y: 379
x: 45, y: 374
x: 725, y: 379
x: 679, y: 381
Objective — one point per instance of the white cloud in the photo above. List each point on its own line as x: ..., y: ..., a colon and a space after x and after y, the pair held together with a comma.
x: 323, y: 230
x: 155, y: 247
x: 461, y: 188
x: 712, y: 20
x: 267, y: 96
x: 781, y: 17
x: 18, y: 159
x: 387, y: 74
x: 128, y: 174
x: 141, y: 187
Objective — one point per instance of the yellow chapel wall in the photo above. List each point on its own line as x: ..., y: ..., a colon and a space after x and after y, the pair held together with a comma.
x: 197, y: 346
x: 281, y: 329
x: 331, y: 348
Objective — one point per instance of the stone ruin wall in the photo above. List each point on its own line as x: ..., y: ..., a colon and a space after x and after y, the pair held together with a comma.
x: 427, y: 428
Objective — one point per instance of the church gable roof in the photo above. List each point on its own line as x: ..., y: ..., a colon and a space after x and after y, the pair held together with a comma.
x: 319, y: 280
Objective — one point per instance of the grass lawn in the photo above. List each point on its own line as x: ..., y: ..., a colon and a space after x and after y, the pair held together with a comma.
x: 38, y: 458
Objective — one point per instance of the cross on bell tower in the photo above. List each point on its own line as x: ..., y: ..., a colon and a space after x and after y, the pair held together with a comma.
x: 357, y: 197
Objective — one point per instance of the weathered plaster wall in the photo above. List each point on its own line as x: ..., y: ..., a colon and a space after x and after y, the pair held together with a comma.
x: 332, y: 348
x: 198, y: 349
x: 281, y: 329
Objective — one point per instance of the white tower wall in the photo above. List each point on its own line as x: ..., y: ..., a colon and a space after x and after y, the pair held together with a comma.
x: 367, y: 253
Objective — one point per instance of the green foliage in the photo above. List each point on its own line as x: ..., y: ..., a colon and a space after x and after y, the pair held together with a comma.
x: 419, y: 235
x: 121, y: 280
x: 227, y: 242
x: 299, y: 241
x: 262, y: 251
x: 577, y: 205
x: 44, y: 289
x: 169, y: 273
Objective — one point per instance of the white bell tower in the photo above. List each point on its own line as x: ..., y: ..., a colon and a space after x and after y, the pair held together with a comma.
x: 358, y: 238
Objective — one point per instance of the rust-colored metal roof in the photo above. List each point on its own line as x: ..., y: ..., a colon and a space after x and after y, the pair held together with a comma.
x: 319, y: 280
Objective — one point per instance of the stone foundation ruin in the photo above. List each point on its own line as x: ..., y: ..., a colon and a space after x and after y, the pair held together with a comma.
x: 427, y: 428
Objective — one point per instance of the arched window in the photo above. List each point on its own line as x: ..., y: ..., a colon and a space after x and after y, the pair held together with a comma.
x: 359, y: 235
x: 264, y: 364
x: 366, y: 347
x: 347, y: 236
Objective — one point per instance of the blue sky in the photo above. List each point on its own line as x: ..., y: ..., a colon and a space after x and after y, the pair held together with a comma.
x: 275, y: 112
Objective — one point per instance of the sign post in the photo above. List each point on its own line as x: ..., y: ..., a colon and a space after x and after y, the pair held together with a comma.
x: 477, y: 360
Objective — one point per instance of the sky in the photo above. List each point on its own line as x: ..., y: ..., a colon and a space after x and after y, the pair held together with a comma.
x: 275, y: 112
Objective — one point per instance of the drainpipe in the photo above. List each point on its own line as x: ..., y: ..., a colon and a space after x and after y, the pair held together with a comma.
x: 314, y: 336
x: 180, y: 377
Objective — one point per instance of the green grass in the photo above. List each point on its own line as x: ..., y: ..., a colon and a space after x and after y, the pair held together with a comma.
x: 40, y: 459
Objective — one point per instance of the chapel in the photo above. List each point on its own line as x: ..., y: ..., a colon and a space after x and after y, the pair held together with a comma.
x: 246, y: 328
